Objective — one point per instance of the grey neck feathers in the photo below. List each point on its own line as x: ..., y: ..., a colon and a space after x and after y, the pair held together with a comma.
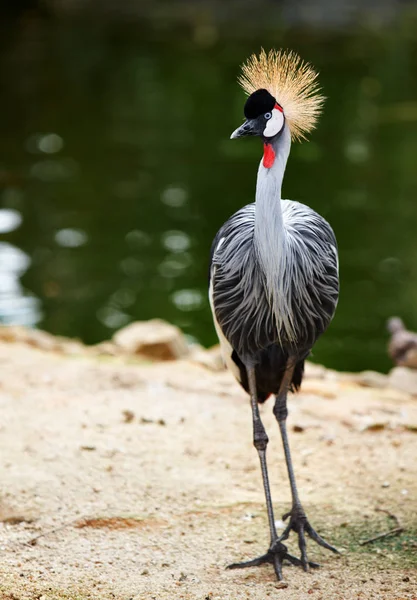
x: 270, y: 236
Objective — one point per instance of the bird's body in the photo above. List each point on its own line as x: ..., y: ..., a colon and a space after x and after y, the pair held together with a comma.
x: 304, y: 297
x: 274, y: 272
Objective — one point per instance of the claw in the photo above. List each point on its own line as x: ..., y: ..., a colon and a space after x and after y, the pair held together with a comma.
x: 255, y: 562
x: 319, y: 540
x: 278, y: 567
x: 275, y: 556
x: 297, y: 562
x: 286, y: 533
x: 299, y: 523
x: 278, y: 551
x: 303, y: 549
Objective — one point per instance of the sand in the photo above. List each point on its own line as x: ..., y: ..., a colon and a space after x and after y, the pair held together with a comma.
x: 126, y: 480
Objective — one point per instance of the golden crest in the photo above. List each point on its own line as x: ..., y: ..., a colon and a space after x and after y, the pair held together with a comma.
x: 291, y: 81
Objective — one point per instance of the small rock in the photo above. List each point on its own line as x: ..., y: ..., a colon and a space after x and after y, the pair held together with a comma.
x: 281, y: 585
x: 146, y: 421
x: 105, y: 349
x: 15, y: 519
x: 71, y: 347
x: 372, y: 379
x: 385, y: 484
x: 32, y: 337
x: 298, y: 428
x: 211, y: 359
x: 404, y: 379
x: 248, y: 517
x: 154, y: 339
x: 128, y: 416
x: 374, y: 426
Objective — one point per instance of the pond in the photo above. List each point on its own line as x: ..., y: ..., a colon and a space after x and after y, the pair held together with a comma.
x: 116, y: 170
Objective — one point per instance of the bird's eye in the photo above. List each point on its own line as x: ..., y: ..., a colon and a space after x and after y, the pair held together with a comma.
x: 267, y: 115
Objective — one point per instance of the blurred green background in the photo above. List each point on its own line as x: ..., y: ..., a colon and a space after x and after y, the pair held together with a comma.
x: 116, y: 168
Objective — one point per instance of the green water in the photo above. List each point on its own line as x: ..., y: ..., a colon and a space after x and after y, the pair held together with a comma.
x: 115, y: 155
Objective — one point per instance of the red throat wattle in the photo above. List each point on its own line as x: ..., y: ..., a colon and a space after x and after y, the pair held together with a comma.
x: 269, y: 156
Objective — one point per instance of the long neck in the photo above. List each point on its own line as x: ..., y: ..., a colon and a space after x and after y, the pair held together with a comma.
x: 269, y: 233
x: 268, y: 214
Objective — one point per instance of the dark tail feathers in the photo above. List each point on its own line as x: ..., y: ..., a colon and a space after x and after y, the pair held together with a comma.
x: 269, y: 372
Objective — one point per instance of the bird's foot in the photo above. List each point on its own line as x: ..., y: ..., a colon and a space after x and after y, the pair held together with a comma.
x: 299, y: 523
x: 276, y: 554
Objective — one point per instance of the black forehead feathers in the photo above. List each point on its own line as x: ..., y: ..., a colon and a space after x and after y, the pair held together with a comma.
x: 258, y: 104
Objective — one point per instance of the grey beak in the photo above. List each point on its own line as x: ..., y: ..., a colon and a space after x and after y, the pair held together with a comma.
x: 246, y: 129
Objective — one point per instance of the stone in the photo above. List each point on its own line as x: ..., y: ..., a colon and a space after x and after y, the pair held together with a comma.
x: 70, y: 347
x: 40, y: 339
x: 32, y: 337
x: 371, y: 379
x: 404, y: 379
x: 153, y: 339
x: 105, y: 349
x: 211, y: 358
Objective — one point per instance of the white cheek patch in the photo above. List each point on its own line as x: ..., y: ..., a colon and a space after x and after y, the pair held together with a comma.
x: 275, y: 123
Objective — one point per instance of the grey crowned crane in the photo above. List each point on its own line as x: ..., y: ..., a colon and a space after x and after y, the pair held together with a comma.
x: 274, y: 274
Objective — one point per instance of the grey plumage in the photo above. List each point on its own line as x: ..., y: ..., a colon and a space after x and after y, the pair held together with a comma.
x: 241, y: 303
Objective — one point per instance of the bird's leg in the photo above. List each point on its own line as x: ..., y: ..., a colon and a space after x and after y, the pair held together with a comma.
x: 298, y: 521
x: 260, y: 441
x: 277, y: 551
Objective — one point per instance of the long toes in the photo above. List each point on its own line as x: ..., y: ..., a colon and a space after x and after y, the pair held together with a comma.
x: 303, y: 548
x: 319, y: 540
x: 298, y: 563
x: 277, y: 562
x: 286, y: 533
x: 265, y: 558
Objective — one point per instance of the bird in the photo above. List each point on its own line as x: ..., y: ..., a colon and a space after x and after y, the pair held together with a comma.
x: 402, y: 346
x: 274, y: 275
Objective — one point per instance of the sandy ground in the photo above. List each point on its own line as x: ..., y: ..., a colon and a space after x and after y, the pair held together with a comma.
x: 134, y: 481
